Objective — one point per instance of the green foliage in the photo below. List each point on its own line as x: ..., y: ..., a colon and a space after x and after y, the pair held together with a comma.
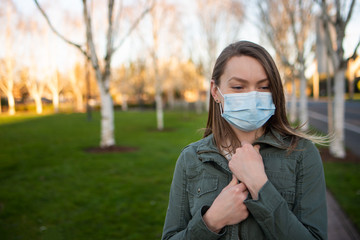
x: 50, y: 188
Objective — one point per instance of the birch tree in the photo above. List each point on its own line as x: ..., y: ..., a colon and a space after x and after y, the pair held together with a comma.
x: 288, y: 25
x: 161, y: 15
x: 219, y: 23
x: 55, y: 86
x: 275, y: 24
x: 299, y: 13
x: 35, y: 83
x: 337, y: 15
x: 8, y: 71
x: 102, y: 69
x: 77, y: 83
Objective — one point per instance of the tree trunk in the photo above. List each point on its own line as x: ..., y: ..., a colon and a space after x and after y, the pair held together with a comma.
x: 329, y: 101
x: 11, y: 102
x: 304, y: 114
x: 171, y: 99
x: 159, y: 110
x: 293, y: 102
x: 337, y: 146
x: 124, y: 104
x: 107, y: 116
x: 55, y: 100
x: 316, y: 85
x: 38, y: 103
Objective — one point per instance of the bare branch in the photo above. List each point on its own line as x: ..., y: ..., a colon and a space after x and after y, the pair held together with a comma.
x: 78, y: 46
x: 326, y: 16
x: 349, y: 13
x: 354, y: 55
x: 118, y: 18
x: 89, y: 40
x: 134, y: 25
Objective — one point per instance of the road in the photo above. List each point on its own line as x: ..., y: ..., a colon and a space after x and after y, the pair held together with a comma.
x: 318, y: 119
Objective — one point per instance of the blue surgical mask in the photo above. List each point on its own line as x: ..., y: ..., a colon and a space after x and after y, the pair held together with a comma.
x: 247, y: 111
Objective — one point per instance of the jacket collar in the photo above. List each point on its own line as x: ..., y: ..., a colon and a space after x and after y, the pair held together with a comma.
x: 207, y: 147
x: 208, y: 152
x: 274, y: 139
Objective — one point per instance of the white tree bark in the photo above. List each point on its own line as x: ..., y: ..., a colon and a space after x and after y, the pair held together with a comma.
x: 337, y: 146
x: 54, y: 87
x: 304, y: 114
x: 171, y: 98
x: 36, y: 90
x: 156, y: 14
x: 293, y: 102
x: 11, y: 102
x: 107, y: 117
x: 8, y: 85
x: 159, y: 111
x: 55, y: 100
x: 124, y: 103
x: 38, y: 103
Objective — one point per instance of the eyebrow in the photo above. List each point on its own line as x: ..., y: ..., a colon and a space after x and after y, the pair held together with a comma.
x: 244, y: 80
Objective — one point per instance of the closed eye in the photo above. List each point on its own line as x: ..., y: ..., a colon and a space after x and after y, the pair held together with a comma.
x: 237, y: 88
x: 264, y: 87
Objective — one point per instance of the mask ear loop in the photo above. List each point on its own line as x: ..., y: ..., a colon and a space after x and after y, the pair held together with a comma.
x: 221, y: 109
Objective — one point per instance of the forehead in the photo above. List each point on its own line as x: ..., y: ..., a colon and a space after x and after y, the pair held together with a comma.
x: 244, y: 67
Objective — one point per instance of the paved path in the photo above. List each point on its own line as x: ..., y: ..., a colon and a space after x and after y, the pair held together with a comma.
x: 339, y: 226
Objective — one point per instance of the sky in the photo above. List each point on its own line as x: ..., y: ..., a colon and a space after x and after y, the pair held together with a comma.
x: 65, y: 54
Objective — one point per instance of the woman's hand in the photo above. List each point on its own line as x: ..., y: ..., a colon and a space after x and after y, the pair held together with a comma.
x: 228, y: 207
x: 247, y: 165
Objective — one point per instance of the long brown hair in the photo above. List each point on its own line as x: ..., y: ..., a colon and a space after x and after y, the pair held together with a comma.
x: 224, y: 136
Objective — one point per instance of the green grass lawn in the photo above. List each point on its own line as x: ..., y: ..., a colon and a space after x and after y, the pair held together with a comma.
x: 343, y: 180
x: 50, y: 188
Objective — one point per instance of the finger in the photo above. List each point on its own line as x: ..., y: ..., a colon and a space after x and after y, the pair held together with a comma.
x: 242, y: 187
x: 257, y: 148
x: 233, y: 182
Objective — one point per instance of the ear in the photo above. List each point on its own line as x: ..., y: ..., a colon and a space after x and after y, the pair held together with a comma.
x: 214, y: 91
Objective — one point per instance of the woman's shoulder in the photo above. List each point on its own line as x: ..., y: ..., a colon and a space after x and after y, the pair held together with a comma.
x: 308, y: 153
x: 192, y: 150
x: 206, y: 142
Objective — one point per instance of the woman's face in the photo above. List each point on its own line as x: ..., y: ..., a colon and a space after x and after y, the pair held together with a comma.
x: 241, y: 74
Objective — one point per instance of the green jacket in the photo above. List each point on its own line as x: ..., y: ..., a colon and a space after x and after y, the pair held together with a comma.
x: 291, y: 205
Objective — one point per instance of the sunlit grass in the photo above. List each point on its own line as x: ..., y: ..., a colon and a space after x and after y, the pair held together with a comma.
x: 50, y: 188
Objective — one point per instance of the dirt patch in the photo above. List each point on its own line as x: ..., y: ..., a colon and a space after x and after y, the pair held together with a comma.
x: 164, y: 130
x: 327, y: 157
x: 111, y: 149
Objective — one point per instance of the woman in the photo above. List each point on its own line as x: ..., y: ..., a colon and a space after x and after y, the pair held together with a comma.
x: 252, y: 176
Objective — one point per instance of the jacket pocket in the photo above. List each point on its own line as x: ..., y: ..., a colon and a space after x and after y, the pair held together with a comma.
x: 202, y: 184
x: 202, y: 190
